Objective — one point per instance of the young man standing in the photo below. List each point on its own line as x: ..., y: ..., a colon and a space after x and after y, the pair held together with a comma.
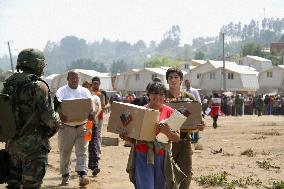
x: 181, y: 150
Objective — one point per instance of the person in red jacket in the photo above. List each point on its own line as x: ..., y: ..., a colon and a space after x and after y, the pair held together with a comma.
x: 215, y: 105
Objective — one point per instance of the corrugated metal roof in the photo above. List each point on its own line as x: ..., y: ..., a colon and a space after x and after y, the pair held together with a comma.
x: 92, y: 73
x: 257, y: 58
x: 272, y: 68
x: 160, y: 71
x: 51, y: 76
x: 241, y: 69
x: 281, y: 66
x: 218, y: 63
x: 128, y: 72
x: 199, y: 61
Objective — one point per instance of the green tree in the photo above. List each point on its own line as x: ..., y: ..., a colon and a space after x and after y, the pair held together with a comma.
x: 157, y: 62
x: 282, y: 38
x: 87, y: 64
x: 199, y: 55
x: 171, y: 39
x: 252, y: 49
x: 118, y: 66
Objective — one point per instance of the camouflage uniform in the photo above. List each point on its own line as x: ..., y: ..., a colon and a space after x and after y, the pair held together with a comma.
x: 30, y: 147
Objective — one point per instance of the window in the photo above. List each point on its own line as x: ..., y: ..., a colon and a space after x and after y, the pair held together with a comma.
x: 137, y: 76
x: 154, y: 76
x: 212, y: 75
x: 186, y: 66
x: 198, y: 75
x: 2, y: 78
x: 231, y: 76
x: 269, y: 74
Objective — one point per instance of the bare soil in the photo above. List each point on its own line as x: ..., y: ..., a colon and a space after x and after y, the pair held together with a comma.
x: 218, y: 150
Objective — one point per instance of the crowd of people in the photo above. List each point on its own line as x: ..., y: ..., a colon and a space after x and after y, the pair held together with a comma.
x: 243, y: 104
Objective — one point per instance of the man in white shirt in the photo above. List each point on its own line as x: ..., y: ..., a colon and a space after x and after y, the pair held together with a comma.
x: 72, y: 133
x: 195, y: 93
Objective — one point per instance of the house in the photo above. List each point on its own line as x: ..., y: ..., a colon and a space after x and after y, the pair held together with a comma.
x: 277, y: 47
x: 3, y: 77
x: 256, y: 62
x: 122, y: 78
x: 271, y: 80
x: 138, y: 81
x: 238, y: 78
x: 84, y: 75
x: 195, y: 74
x: 191, y: 64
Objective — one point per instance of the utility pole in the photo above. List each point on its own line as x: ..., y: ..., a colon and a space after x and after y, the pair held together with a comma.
x: 224, y: 68
x: 11, y: 61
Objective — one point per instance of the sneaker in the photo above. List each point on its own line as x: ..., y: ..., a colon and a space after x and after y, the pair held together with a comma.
x: 96, y: 171
x: 65, y: 180
x: 83, y: 180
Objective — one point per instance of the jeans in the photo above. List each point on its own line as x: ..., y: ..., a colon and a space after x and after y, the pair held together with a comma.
x: 148, y: 176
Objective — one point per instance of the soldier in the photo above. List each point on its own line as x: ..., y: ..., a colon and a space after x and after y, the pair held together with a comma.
x: 35, y: 121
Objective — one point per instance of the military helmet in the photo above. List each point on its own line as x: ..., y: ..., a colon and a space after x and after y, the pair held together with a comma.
x: 30, y: 58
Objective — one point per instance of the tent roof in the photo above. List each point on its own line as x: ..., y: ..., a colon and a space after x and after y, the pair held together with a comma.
x: 257, y: 58
x: 92, y: 73
x: 218, y: 63
x: 51, y: 76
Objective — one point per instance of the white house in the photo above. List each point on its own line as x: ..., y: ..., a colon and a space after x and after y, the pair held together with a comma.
x: 3, y: 77
x: 84, y: 75
x: 121, y: 79
x: 256, y: 62
x: 138, y: 81
x: 195, y: 74
x: 271, y: 80
x: 187, y: 66
x: 238, y: 78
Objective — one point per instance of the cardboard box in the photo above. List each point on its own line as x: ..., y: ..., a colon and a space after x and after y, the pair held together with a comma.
x: 76, y: 109
x: 134, y: 121
x: 193, y: 112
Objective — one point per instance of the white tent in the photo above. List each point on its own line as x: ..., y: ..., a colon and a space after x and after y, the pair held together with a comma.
x: 84, y: 75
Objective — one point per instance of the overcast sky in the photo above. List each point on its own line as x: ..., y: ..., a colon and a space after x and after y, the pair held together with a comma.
x: 31, y: 23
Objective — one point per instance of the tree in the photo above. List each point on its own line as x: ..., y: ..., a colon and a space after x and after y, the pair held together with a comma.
x: 118, y: 66
x: 87, y: 64
x: 199, y: 55
x: 171, y: 39
x: 282, y: 38
x: 252, y: 49
x: 157, y: 62
x: 139, y: 45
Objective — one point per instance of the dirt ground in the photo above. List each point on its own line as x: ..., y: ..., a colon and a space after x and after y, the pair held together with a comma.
x: 218, y: 150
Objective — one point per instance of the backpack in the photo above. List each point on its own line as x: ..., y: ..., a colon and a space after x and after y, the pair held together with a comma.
x: 9, y: 106
x: 7, y: 121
